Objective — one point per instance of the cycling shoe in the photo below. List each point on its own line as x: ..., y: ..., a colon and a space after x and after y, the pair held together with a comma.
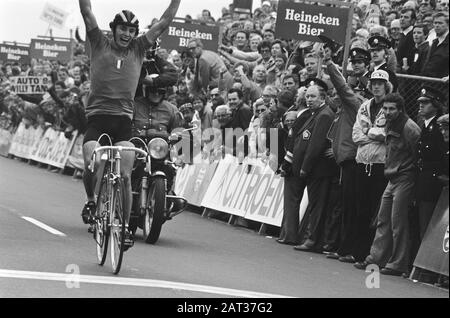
x: 128, y: 241
x: 88, y: 212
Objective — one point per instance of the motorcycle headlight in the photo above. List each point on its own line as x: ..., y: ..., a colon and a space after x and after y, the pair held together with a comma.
x: 159, y: 148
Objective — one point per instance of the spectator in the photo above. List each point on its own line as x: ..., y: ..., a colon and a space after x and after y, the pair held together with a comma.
x: 437, y: 62
x: 420, y: 52
x: 369, y: 135
x: 63, y: 75
x: 395, y: 34
x: 269, y: 35
x: 242, y: 113
x: 311, y: 163
x: 406, y: 44
x: 391, y: 246
x: 360, y: 60
x: 204, y: 111
x: 240, y: 41
x: 207, y: 67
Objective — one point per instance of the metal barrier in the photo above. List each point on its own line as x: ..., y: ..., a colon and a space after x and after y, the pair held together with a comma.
x: 410, y: 87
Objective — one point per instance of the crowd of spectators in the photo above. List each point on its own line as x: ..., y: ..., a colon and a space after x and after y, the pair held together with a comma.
x: 256, y: 81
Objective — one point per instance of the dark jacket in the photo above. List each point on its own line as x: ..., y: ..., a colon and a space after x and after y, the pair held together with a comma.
x: 344, y: 148
x: 430, y: 155
x: 437, y: 60
x: 419, y: 56
x: 242, y: 117
x: 311, y: 142
x: 401, y: 147
x: 290, y: 140
x: 405, y: 47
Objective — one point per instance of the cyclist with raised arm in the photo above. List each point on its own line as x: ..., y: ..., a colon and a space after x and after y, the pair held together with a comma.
x: 115, y: 69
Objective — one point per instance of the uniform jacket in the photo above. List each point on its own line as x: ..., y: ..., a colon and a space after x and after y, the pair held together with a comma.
x: 431, y: 155
x: 369, y: 151
x: 401, y: 147
x: 298, y: 124
x: 310, y: 145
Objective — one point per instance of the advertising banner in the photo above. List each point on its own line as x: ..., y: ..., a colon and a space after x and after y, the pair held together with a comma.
x: 54, y: 149
x: 75, y: 159
x: 29, y: 84
x: 301, y: 21
x: 193, y: 180
x: 433, y: 252
x: 54, y: 16
x: 51, y: 50
x: 5, y: 142
x: 176, y: 37
x: 15, y: 53
x: 25, y: 140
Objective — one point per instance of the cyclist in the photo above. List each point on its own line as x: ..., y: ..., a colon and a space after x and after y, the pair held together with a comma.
x: 115, y: 69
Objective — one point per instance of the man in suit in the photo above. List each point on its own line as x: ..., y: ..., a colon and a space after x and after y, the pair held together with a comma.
x: 406, y: 44
x: 294, y: 186
x: 378, y: 51
x: 438, y: 55
x: 311, y: 163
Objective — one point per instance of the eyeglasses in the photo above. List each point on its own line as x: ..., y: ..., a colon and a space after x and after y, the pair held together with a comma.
x: 260, y: 111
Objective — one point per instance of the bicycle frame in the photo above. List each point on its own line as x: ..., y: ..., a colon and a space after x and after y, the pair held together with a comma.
x: 112, y: 154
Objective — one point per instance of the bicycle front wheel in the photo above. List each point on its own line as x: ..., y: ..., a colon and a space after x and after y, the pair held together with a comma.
x: 101, y: 234
x: 117, y: 229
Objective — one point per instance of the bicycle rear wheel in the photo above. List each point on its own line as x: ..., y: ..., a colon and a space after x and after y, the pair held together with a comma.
x: 117, y: 229
x: 101, y: 234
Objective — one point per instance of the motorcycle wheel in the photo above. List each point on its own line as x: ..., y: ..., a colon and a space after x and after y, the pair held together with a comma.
x: 154, y: 216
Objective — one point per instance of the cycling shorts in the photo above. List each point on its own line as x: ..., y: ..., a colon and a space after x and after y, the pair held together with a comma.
x: 117, y: 127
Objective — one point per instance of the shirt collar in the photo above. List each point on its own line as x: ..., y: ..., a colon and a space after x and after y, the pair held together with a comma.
x: 428, y: 121
x: 405, y: 32
x: 442, y: 38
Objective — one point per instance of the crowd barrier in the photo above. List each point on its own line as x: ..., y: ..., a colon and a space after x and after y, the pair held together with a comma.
x: 47, y: 146
x: 250, y: 190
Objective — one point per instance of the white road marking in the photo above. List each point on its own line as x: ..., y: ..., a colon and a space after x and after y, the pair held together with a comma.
x: 135, y: 282
x: 43, y: 226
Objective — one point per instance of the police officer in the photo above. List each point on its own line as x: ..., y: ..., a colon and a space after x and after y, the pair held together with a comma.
x: 358, y: 81
x: 311, y: 164
x: 431, y: 152
x: 379, y: 46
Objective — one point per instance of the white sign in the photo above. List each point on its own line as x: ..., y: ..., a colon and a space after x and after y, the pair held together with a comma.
x: 54, y: 16
x: 29, y: 84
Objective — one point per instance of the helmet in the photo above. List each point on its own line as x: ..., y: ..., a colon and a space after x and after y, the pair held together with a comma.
x: 125, y: 17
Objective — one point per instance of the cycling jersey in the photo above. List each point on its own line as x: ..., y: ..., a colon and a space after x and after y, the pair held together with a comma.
x: 114, y: 75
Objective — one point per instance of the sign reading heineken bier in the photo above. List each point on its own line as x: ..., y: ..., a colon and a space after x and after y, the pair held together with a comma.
x: 51, y: 50
x: 177, y: 36
x: 14, y: 53
x: 301, y: 21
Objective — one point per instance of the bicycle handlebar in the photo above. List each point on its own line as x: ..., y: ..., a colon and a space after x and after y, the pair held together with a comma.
x: 117, y: 148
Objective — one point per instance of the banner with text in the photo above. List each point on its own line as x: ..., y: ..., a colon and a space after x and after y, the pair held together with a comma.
x: 51, y: 50
x: 54, y: 149
x: 243, y: 6
x: 250, y: 191
x: 15, y: 53
x: 301, y: 21
x: 433, y: 252
x: 54, y: 15
x: 193, y: 180
x: 25, y: 141
x: 176, y: 37
x: 29, y: 84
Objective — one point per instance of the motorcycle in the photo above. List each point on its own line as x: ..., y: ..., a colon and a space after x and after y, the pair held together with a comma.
x: 154, y: 201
